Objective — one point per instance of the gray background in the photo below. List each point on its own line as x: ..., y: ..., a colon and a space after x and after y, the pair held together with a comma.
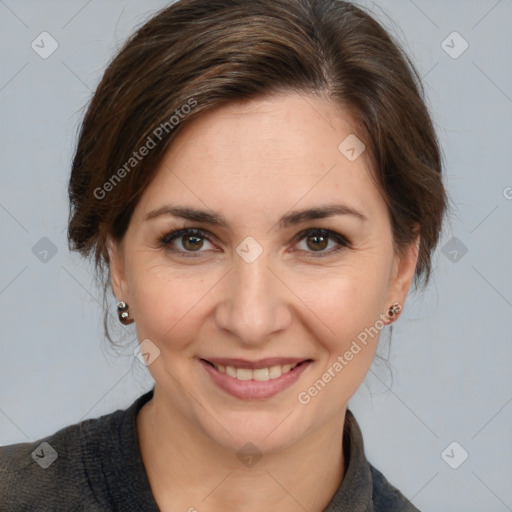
x: 451, y: 348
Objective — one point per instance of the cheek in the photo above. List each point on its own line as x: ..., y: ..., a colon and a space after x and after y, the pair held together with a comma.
x: 347, y: 348
x: 348, y: 309
x: 356, y: 315
x: 348, y: 300
x: 166, y: 305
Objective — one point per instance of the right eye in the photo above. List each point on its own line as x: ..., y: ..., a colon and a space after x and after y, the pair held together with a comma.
x: 191, y: 240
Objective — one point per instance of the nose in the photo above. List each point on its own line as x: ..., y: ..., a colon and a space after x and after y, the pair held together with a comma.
x: 253, y: 307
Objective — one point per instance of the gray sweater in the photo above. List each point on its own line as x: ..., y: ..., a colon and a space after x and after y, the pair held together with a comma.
x: 96, y: 465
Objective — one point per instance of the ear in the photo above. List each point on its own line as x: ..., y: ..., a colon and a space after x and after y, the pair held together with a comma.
x: 404, y: 267
x: 117, y: 269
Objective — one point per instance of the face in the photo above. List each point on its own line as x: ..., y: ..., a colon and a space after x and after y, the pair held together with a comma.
x: 233, y: 296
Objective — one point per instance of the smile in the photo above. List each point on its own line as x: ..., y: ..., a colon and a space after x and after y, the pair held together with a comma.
x: 261, y: 374
x: 254, y: 380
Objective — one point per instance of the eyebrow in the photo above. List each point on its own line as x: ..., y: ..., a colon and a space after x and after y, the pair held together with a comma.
x: 290, y: 219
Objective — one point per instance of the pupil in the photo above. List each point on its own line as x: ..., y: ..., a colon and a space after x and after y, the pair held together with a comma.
x: 195, y: 244
x: 322, y: 239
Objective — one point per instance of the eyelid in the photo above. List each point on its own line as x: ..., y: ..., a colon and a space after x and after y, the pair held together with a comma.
x: 175, y: 234
x: 333, y: 235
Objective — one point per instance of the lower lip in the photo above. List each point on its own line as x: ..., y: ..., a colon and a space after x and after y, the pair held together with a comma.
x: 254, y: 389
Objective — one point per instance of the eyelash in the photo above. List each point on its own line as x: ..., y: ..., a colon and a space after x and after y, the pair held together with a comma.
x: 343, y: 242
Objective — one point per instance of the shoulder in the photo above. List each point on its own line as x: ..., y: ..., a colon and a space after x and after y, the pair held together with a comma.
x: 52, y: 471
x: 386, y: 497
x: 364, y: 487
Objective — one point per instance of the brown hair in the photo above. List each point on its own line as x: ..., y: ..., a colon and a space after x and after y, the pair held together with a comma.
x: 196, y: 55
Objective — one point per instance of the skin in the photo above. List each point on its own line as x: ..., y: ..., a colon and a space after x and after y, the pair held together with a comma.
x: 253, y: 163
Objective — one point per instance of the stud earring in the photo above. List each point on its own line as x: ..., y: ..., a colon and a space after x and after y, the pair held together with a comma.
x: 394, y: 309
x: 123, y: 313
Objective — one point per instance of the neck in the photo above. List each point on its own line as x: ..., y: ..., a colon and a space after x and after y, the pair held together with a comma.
x: 188, y: 471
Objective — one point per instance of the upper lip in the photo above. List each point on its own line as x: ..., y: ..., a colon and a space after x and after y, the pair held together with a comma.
x: 260, y: 363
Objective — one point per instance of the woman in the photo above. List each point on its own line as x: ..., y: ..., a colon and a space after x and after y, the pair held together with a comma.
x: 260, y: 183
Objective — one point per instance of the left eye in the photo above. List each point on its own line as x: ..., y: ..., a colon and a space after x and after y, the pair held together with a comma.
x: 316, y: 240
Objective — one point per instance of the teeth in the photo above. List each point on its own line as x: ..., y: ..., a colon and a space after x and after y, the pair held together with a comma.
x: 261, y: 374
x: 243, y: 374
x: 275, y: 372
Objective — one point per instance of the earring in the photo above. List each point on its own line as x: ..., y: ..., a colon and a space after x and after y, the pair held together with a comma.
x: 123, y: 313
x: 394, y: 309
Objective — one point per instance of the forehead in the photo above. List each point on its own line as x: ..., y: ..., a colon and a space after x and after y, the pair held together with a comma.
x: 265, y: 154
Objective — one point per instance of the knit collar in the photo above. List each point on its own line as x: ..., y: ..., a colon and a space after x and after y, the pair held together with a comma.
x: 128, y: 487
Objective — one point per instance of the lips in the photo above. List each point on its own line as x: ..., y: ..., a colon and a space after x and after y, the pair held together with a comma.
x: 252, y: 365
x: 261, y: 374
x: 255, y: 379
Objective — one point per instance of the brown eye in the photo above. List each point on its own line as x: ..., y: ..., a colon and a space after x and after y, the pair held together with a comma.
x: 192, y: 242
x: 187, y: 241
x: 316, y: 242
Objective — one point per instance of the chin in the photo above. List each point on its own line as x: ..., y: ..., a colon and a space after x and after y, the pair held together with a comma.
x: 262, y: 431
